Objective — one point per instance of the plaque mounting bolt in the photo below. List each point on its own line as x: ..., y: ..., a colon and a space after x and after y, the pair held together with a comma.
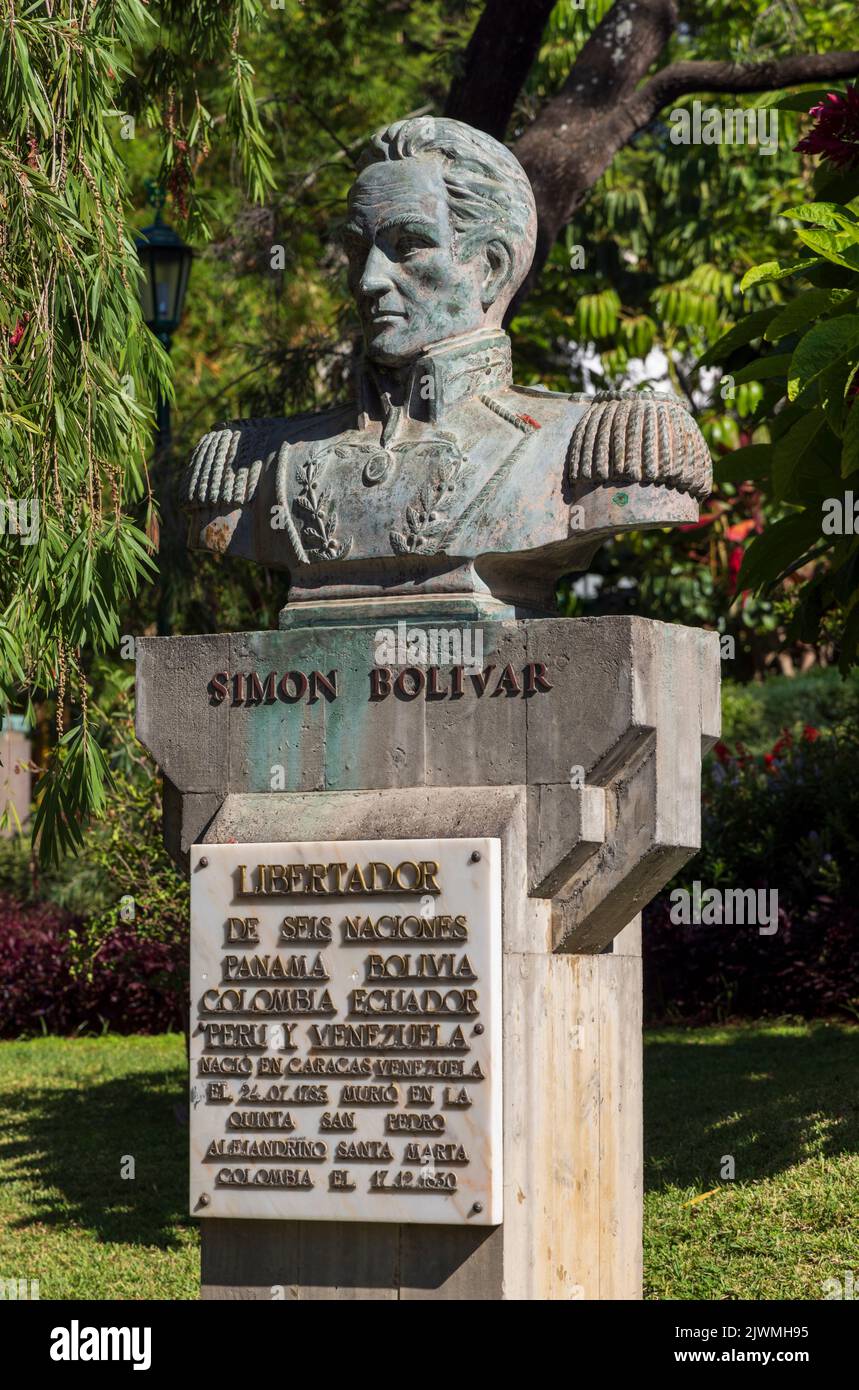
x: 203, y: 862
x: 203, y: 1200
x: 476, y: 1208
x: 475, y: 856
x: 478, y: 1028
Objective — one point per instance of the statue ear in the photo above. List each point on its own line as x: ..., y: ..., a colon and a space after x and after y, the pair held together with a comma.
x: 498, y: 269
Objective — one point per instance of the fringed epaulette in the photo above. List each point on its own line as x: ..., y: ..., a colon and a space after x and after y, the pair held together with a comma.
x: 226, y: 465
x: 639, y: 437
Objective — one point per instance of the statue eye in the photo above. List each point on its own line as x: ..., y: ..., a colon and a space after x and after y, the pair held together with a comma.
x: 409, y: 242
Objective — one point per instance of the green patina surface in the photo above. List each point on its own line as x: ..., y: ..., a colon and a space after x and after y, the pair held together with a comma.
x: 324, y: 744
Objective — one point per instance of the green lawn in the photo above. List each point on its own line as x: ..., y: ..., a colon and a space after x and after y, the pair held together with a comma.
x: 70, y: 1110
x: 781, y: 1100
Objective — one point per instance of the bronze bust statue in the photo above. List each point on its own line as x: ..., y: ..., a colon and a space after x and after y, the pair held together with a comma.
x: 442, y: 480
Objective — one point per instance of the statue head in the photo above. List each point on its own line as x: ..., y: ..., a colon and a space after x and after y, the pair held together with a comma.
x: 440, y: 234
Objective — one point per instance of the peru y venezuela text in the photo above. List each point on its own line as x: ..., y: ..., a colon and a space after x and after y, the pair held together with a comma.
x: 249, y: 689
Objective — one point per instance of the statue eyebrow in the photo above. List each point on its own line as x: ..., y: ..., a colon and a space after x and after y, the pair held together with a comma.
x: 408, y: 219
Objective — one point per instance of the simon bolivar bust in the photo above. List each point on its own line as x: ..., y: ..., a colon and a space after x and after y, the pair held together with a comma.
x: 442, y: 477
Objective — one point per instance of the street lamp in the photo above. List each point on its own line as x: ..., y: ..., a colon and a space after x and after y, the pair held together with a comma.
x: 166, y: 262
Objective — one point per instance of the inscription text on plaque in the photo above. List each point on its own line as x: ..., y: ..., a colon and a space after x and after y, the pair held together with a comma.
x: 346, y: 1031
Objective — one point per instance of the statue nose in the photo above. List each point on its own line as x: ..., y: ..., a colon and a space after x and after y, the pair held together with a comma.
x: 375, y: 277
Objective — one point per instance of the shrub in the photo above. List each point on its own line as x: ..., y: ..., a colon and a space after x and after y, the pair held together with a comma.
x: 121, y: 925
x: 758, y: 712
x: 786, y: 819
x: 132, y: 985
x: 809, y: 968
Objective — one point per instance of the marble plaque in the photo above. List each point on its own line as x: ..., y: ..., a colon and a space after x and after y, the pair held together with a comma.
x: 346, y: 1031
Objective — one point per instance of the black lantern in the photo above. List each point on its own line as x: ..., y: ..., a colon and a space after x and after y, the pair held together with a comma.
x: 166, y: 262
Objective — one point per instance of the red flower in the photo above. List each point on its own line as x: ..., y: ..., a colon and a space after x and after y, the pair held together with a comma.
x: 835, y: 135
x: 786, y: 741
x: 735, y: 560
x: 722, y: 751
x: 18, y: 331
x: 740, y: 530
x: 810, y: 734
x: 705, y: 520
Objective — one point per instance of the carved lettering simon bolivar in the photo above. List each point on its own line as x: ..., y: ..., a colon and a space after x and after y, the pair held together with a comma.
x: 250, y: 690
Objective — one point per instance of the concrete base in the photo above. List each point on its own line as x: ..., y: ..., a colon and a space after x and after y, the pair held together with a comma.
x: 584, y: 760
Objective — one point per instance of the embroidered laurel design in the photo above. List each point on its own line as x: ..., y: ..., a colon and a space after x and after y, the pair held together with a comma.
x: 427, y: 518
x: 316, y: 515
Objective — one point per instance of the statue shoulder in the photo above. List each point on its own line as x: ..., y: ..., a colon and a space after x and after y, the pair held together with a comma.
x: 226, y: 465
x: 639, y: 437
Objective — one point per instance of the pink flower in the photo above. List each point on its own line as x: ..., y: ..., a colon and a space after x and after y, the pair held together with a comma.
x: 835, y: 134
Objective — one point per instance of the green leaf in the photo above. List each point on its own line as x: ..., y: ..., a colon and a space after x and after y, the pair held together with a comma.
x: 753, y: 462
x: 779, y: 545
x: 774, y: 270
x: 791, y: 447
x: 819, y: 349
x: 832, y: 388
x: 831, y: 215
x: 837, y: 247
x: 776, y: 364
x: 752, y: 326
x: 850, y: 443
x: 808, y: 305
x: 802, y: 101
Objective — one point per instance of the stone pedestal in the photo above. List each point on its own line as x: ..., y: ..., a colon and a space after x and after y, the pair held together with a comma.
x: 16, y: 779
x: 577, y: 746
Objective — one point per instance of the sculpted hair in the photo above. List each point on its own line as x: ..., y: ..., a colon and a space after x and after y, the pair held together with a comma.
x: 489, y: 196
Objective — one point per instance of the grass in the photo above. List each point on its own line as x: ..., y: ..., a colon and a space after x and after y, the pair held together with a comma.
x: 782, y: 1100
x: 71, y: 1109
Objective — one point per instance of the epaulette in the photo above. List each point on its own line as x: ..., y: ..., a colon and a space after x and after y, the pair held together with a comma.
x: 226, y: 465
x: 639, y: 437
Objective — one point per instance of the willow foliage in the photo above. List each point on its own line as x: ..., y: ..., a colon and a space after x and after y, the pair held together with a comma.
x: 78, y: 368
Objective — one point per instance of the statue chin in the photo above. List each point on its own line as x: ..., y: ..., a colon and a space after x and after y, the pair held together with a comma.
x: 393, y: 355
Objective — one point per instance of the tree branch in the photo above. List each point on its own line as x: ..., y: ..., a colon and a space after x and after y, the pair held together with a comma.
x: 681, y: 79
x: 497, y: 60
x: 606, y: 99
x: 602, y: 106
x: 565, y: 150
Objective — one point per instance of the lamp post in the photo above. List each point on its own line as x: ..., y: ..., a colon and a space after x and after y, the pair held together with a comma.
x: 166, y: 262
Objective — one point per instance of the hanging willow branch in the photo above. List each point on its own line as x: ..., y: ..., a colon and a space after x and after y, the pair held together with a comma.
x: 78, y: 369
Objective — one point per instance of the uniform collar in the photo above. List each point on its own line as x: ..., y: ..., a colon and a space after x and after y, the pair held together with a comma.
x: 448, y: 373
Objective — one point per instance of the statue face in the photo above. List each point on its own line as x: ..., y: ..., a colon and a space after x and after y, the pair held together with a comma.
x: 410, y: 288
